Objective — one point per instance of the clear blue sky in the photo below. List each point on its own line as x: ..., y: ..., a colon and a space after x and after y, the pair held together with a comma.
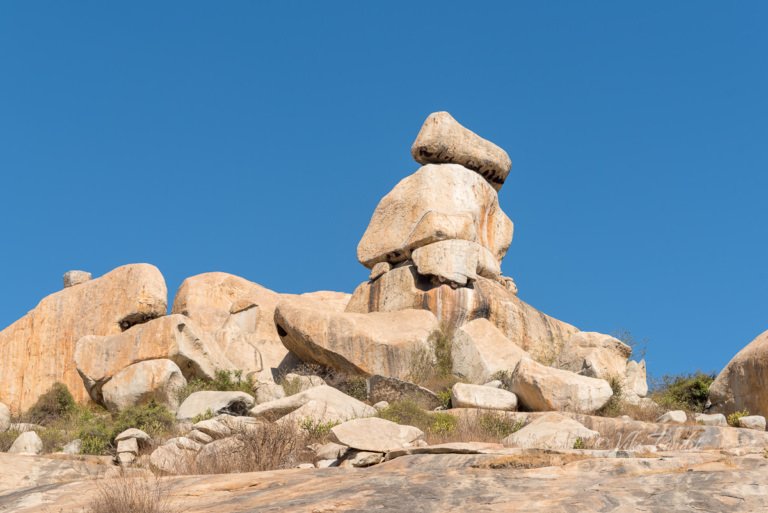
x: 257, y: 137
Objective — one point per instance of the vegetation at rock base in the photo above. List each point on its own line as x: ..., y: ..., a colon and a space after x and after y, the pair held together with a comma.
x: 688, y: 392
x: 433, y: 368
x: 352, y: 385
x: 52, y: 405
x: 7, y: 438
x: 223, y: 381
x: 733, y: 418
x: 131, y: 494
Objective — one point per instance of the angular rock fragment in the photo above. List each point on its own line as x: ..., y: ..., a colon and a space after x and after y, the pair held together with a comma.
x: 741, y: 384
x: 442, y: 139
x: 375, y: 435
x: 158, y: 380
x: 756, y: 422
x: 27, y: 443
x: 72, y: 278
x: 673, y: 417
x: 551, y: 431
x: 480, y: 351
x: 478, y: 396
x: 714, y: 419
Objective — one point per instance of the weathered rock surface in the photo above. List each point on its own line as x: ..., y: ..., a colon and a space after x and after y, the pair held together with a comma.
x: 742, y: 383
x: 357, y: 344
x: 480, y: 350
x: 438, y: 202
x: 173, y: 337
x: 199, y: 403
x: 27, y: 443
x: 37, y: 350
x: 386, y: 389
x: 5, y: 417
x: 531, y: 481
x: 455, y: 261
x: 595, y: 355
x: 142, y: 438
x: 323, y: 403
x: 752, y: 422
x: 158, y: 380
x: 541, y: 388
x: 72, y: 278
x: 403, y: 288
x: 239, y: 316
x: 673, y: 417
x: 480, y: 396
x: 442, y: 139
x: 550, y: 431
x: 713, y: 419
x: 375, y: 435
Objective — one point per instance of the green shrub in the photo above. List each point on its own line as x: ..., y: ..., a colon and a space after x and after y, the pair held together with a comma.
x: 408, y: 412
x: 733, y: 418
x: 615, y: 405
x: 53, y: 404
x: 683, y: 392
x: 224, y: 380
x: 442, y: 424
x: 7, y: 438
x: 505, y: 377
x: 444, y: 396
x: 498, y: 425
x: 152, y: 418
x: 316, y: 430
x: 579, y: 443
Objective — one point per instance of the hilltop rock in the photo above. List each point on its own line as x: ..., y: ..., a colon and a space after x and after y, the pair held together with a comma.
x: 72, y: 278
x: 357, y: 344
x: 174, y: 337
x: 158, y: 380
x: 442, y: 139
x: 438, y: 202
x: 404, y: 288
x: 740, y: 385
x: 37, y: 350
x: 542, y: 388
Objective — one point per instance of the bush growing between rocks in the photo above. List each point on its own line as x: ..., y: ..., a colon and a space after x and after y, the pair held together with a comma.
x: 353, y: 386
x: 7, y: 438
x: 733, y: 418
x: 52, y: 405
x: 433, y: 368
x: 687, y: 392
x: 223, y: 381
x: 315, y: 430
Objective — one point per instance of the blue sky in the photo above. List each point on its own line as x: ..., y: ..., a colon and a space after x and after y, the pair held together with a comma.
x: 257, y: 137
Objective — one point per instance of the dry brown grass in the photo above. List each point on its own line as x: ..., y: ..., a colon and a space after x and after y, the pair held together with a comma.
x: 269, y: 446
x: 131, y: 494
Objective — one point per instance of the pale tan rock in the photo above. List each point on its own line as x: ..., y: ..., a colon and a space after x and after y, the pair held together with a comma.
x: 140, y: 436
x: 673, y: 417
x: 266, y: 392
x: 330, y: 451
x: 443, y: 139
x: 386, y: 389
x: 199, y: 436
x: 239, y: 316
x: 551, y: 431
x: 362, y: 459
x: 128, y: 445
x: 636, y: 381
x: 323, y: 404
x: 358, y: 344
x: 479, y: 351
x: 756, y: 422
x: 453, y: 261
x: 742, y: 383
x: 27, y: 443
x: 169, y: 458
x: 217, y: 402
x: 595, y: 355
x: 37, y: 350
x: 173, y: 337
x: 403, y: 288
x: 72, y: 278
x: 541, y: 388
x: 158, y: 380
x: 711, y: 419
x: 379, y: 269
x: 438, y: 202
x: 5, y: 417
x: 465, y: 395
x: 299, y: 382
x: 375, y: 435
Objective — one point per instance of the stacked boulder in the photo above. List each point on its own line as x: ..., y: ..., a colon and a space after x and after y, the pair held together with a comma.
x: 434, y: 248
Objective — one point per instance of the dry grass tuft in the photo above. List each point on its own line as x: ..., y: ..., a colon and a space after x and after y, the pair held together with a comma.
x: 131, y: 494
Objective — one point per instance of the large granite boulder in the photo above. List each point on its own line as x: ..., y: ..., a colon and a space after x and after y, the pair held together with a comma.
x: 443, y: 140
x: 404, y: 288
x: 479, y: 351
x: 464, y: 395
x: 542, y: 388
x: 741, y: 385
x: 38, y: 350
x: 438, y: 202
x: 174, y: 337
x: 358, y: 344
x: 151, y: 380
x: 238, y: 315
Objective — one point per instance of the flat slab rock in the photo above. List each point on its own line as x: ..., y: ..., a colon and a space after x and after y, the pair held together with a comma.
x: 529, y: 482
x: 375, y: 435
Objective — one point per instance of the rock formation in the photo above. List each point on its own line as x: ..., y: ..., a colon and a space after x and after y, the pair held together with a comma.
x: 38, y: 350
x: 741, y: 385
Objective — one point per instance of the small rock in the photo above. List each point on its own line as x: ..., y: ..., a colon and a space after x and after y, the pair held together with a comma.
x: 199, y: 436
x: 383, y: 388
x: 381, y: 405
x: 213, y: 428
x: 550, y: 431
x: 753, y: 422
x: 72, y: 278
x: 365, y: 458
x: 300, y: 383
x: 305, y: 466
x: 493, y: 384
x: 327, y: 463
x: 379, y: 270
x: 73, y: 447
x: 480, y: 396
x: 331, y: 451
x: 128, y: 445
x: 199, y: 403
x: 714, y: 419
x: 266, y: 392
x: 375, y: 435
x: 673, y: 417
x: 126, y: 458
x: 140, y: 436
x: 27, y: 443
